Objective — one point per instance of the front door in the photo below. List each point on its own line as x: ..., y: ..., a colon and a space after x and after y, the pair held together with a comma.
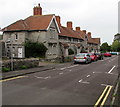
x: 19, y: 52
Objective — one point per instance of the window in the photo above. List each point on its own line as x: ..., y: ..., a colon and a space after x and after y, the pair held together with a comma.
x: 16, y: 36
x: 52, y: 32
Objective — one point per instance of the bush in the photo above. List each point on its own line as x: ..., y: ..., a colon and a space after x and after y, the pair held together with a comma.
x: 4, y: 69
x: 23, y: 67
x: 70, y: 51
x: 34, y: 49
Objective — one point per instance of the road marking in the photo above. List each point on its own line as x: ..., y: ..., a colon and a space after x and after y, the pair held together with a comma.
x: 43, y: 77
x: 47, y: 77
x: 61, y: 73
x: 98, y: 101
x: 111, y: 69
x: 101, y: 101
x: 88, y: 75
x: 97, y: 72
x: 62, y: 68
x: 80, y: 80
x: 105, y: 85
x: 106, y: 95
x: 12, y: 78
x: 70, y: 70
x: 68, y: 67
x: 83, y: 82
x: 72, y: 66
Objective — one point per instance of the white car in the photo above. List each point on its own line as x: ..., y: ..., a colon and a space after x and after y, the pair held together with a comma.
x: 82, y: 57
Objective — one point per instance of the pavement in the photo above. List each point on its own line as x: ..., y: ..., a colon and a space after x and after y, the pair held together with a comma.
x: 43, y: 66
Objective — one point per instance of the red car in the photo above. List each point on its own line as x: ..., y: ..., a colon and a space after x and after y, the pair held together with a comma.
x: 107, y: 55
x: 93, y: 56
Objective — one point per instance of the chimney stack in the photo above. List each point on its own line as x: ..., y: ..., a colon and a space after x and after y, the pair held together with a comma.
x: 84, y: 31
x: 37, y: 10
x: 58, y: 19
x: 89, y: 34
x: 77, y: 28
x: 69, y: 25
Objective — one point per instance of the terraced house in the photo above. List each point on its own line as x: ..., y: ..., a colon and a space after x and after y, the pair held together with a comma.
x: 48, y: 30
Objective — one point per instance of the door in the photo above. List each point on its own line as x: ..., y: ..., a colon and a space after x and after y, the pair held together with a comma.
x: 19, y: 52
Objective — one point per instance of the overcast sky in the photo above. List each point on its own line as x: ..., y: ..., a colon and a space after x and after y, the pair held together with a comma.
x: 100, y: 17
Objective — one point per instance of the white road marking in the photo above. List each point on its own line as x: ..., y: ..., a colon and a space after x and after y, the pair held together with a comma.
x: 47, y: 77
x: 85, y: 82
x: 61, y: 73
x: 63, y: 68
x: 88, y: 75
x: 70, y: 70
x: 111, y: 69
x: 97, y: 72
x: 105, y: 85
x: 72, y: 66
x: 80, y: 80
x: 68, y: 67
x: 43, y: 77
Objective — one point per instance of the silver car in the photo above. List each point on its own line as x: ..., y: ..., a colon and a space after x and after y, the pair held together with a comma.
x: 82, y: 57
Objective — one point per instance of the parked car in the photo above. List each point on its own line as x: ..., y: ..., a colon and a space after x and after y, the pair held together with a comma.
x: 107, y: 55
x: 114, y: 53
x: 93, y: 56
x: 100, y: 56
x: 82, y: 57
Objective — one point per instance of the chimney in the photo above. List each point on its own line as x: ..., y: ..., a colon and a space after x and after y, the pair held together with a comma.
x: 77, y: 28
x: 58, y: 19
x: 37, y: 10
x: 89, y: 34
x: 84, y: 31
x: 69, y: 25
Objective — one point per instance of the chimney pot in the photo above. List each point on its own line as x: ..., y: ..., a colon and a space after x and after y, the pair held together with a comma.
x: 37, y: 10
x: 84, y: 31
x: 69, y: 25
x: 77, y: 28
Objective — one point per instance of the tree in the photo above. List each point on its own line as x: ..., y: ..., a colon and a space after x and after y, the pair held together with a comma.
x: 34, y: 49
x: 105, y: 47
x: 70, y: 51
x: 115, y: 46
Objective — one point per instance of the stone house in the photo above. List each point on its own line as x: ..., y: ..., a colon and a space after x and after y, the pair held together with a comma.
x: 48, y: 30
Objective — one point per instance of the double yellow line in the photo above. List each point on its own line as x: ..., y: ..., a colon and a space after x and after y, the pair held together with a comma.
x: 101, y: 101
x: 11, y: 78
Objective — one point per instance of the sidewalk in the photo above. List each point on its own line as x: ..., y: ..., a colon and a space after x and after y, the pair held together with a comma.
x: 43, y: 66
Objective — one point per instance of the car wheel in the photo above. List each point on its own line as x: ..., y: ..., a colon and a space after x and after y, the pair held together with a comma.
x: 75, y: 62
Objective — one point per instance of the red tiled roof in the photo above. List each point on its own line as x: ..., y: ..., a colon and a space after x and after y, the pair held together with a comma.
x: 31, y: 23
x: 69, y: 32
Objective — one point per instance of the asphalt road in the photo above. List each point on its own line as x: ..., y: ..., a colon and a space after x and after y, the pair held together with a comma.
x: 68, y: 84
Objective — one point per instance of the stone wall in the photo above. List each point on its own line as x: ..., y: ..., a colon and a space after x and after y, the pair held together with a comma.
x: 20, y: 63
x: 59, y: 59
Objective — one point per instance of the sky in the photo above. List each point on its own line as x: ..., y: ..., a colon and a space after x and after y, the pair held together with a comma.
x: 100, y: 17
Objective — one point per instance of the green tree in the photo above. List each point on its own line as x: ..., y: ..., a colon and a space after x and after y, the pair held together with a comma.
x: 70, y: 51
x: 34, y: 49
x: 115, y: 46
x: 105, y: 47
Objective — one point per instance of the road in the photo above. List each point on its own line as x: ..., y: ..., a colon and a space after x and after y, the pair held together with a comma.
x: 68, y: 84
